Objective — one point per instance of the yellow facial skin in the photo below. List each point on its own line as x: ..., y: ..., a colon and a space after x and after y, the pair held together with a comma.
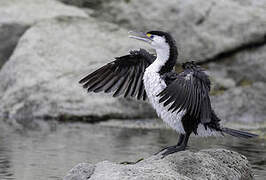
x: 148, y: 34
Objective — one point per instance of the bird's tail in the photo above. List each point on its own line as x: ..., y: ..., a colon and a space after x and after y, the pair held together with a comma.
x: 238, y: 133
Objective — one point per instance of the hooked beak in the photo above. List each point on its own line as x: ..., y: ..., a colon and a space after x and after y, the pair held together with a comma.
x: 140, y: 36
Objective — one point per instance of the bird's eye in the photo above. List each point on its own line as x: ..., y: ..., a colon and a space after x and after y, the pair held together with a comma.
x: 152, y: 36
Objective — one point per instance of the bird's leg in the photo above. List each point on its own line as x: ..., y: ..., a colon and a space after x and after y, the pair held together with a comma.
x: 180, y: 146
x: 180, y: 139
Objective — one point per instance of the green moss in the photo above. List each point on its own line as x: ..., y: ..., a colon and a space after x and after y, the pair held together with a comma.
x: 217, y: 92
x: 245, y: 82
x: 129, y: 162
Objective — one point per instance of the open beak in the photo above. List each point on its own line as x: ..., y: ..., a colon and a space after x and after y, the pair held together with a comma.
x: 140, y: 36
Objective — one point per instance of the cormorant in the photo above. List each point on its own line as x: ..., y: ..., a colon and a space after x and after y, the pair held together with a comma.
x: 180, y: 99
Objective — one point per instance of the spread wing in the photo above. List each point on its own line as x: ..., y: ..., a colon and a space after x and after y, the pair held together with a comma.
x: 122, y: 76
x: 188, y: 91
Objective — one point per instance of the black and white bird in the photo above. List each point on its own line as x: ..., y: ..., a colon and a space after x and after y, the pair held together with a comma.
x: 180, y: 99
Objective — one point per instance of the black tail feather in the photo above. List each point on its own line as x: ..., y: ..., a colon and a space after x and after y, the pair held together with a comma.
x: 238, y: 133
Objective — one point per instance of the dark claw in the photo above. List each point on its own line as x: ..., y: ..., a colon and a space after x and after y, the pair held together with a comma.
x: 164, y: 149
x: 170, y: 150
x: 181, y: 146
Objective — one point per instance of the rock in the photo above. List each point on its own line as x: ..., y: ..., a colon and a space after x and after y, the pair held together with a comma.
x: 9, y: 36
x: 17, y: 15
x: 242, y: 104
x: 233, y: 48
x: 205, y: 164
x: 94, y: 4
x: 247, y: 66
x: 80, y: 172
x: 203, y: 29
x: 239, y: 86
x: 223, y: 83
x: 41, y: 78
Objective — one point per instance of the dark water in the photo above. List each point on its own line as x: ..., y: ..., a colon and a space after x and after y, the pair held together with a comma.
x: 49, y: 155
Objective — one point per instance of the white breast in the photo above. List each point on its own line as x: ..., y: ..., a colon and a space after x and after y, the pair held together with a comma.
x: 154, y: 84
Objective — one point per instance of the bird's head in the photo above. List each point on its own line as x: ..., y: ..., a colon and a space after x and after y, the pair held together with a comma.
x: 158, y: 40
x: 164, y: 45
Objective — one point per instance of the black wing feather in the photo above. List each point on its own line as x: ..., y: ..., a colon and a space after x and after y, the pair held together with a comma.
x: 131, y: 83
x: 122, y: 76
x: 188, y: 91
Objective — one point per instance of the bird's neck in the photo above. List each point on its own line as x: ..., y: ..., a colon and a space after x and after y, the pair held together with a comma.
x: 166, y: 59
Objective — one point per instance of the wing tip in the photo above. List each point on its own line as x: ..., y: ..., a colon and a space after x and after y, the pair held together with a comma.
x: 83, y: 80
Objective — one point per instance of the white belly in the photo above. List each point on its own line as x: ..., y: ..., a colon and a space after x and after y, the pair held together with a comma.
x: 154, y: 84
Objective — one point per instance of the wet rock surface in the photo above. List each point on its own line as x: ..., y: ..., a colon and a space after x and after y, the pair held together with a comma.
x: 16, y: 16
x: 205, y: 164
x: 41, y: 78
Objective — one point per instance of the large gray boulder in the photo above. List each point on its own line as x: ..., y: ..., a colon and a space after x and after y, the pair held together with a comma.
x: 40, y: 80
x: 245, y: 67
x: 206, y: 164
x: 239, y: 86
x: 203, y: 29
x: 246, y: 104
x: 17, y: 15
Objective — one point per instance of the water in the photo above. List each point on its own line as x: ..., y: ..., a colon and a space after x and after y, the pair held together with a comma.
x: 49, y: 155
